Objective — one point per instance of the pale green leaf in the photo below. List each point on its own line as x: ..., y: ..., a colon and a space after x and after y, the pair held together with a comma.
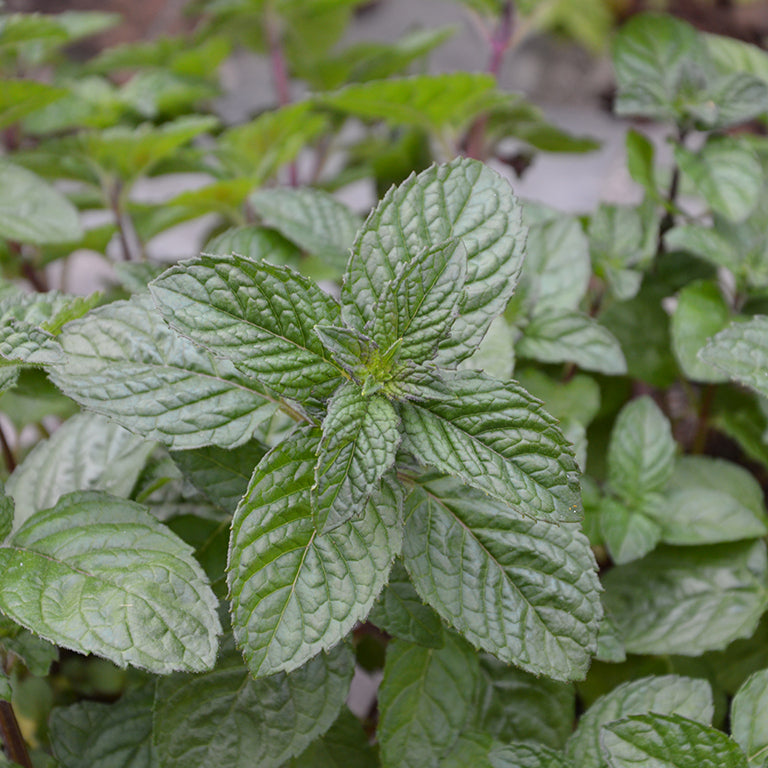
x: 666, y: 695
x: 749, y: 724
x: 258, y: 316
x: 32, y: 651
x: 25, y: 343
x: 20, y: 97
x: 495, y: 354
x: 425, y: 699
x: 668, y: 741
x: 629, y: 531
x: 227, y: 719
x: 498, y: 438
x: 360, y: 440
x: 689, y: 600
x: 98, y: 574
x: 465, y: 200
x: 707, y: 243
x: 526, y: 755
x: 122, y: 360
x: 577, y: 399
x: 294, y: 591
x: 521, y: 589
x: 733, y: 56
x: 254, y: 243
x: 610, y: 646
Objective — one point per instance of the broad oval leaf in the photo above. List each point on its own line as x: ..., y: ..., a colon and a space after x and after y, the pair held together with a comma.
x: 523, y: 590
x: 749, y: 724
x: 630, y: 531
x: 258, y: 316
x: 99, y: 574
x: 294, y: 591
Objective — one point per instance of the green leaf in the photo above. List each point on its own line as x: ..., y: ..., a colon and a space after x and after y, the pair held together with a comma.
x: 689, y: 600
x: 630, y: 531
x: 294, y: 591
x: 20, y: 97
x: 641, y: 451
x: 420, y: 304
x: 558, y: 336
x: 665, y: 695
x: 93, y: 735
x: 521, y: 589
x: 726, y: 172
x: 98, y: 574
x: 733, y: 56
x: 32, y: 211
x: 360, y: 440
x: 741, y: 351
x: 32, y: 651
x: 641, y: 161
x: 465, y: 200
x: 498, y: 438
x: 86, y: 453
x: 526, y: 755
x: 425, y: 698
x: 256, y: 315
x: 400, y: 612
x: 122, y: 360
x: 610, y: 646
x: 711, y: 500
x: 668, y: 741
x: 701, y: 312
x: 228, y: 719
x: 312, y: 219
x: 350, y: 349
x: 254, y: 243
x: 748, y: 723
x: 6, y: 513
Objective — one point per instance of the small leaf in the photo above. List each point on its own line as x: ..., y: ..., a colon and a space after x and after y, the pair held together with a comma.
x: 630, y: 532
x: 20, y: 97
x: 748, y: 722
x: 98, y: 574
x: 360, y: 440
x: 258, y: 316
x: 294, y: 591
x: 668, y: 741
x: 498, y: 438
x: 350, y: 349
x: 641, y: 161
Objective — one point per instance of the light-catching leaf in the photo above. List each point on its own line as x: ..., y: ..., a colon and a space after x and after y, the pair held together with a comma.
x: 749, y: 725
x: 630, y: 531
x: 294, y: 591
x: 99, y: 574
x: 523, y: 590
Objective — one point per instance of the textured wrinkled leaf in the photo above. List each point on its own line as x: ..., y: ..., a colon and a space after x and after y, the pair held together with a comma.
x: 526, y: 755
x: 294, y: 591
x: 360, y: 440
x: 668, y: 741
x: 122, y: 360
x: 630, y: 532
x: 465, y: 200
x: 749, y: 724
x: 560, y: 336
x: 227, y: 719
x: 665, y: 695
x: 689, y: 600
x: 521, y: 589
x: 641, y: 451
x: 350, y: 349
x: 98, y: 574
x: 258, y: 316
x: 425, y: 698
x: 400, y: 612
x: 94, y: 735
x: 420, y: 304
x: 312, y: 219
x: 610, y: 646
x: 85, y: 453
x: 498, y: 438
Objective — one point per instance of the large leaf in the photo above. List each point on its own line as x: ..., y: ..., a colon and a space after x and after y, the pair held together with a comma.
x: 123, y: 361
x: 498, y: 438
x: 668, y: 741
x: 425, y: 699
x: 523, y: 590
x: 689, y: 600
x: 227, y: 719
x: 258, y: 316
x: 360, y: 440
x: 666, y: 695
x: 99, y: 574
x: 463, y: 199
x: 749, y: 725
x: 294, y: 591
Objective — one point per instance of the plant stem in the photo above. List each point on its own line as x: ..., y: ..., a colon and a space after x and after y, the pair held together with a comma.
x: 8, y: 458
x: 674, y: 187
x: 700, y: 440
x: 36, y: 280
x: 13, y: 741
x: 115, y: 201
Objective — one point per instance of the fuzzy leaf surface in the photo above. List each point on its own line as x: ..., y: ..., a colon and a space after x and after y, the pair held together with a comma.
x: 749, y: 725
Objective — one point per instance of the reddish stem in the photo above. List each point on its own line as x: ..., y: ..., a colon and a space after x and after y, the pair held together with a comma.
x: 13, y: 741
x: 10, y: 461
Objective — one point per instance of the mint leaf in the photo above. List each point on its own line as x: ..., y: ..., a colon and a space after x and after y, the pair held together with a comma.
x: 666, y: 695
x: 254, y: 243
x: 6, y: 513
x: 360, y: 440
x: 463, y: 199
x: 630, y: 531
x: 523, y: 590
x: 350, y: 349
x: 525, y: 755
x: 256, y: 315
x: 425, y: 698
x: 668, y: 741
x: 228, y: 719
x: 497, y: 438
x: 123, y: 361
x: 98, y: 574
x: 748, y: 723
x: 295, y: 591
